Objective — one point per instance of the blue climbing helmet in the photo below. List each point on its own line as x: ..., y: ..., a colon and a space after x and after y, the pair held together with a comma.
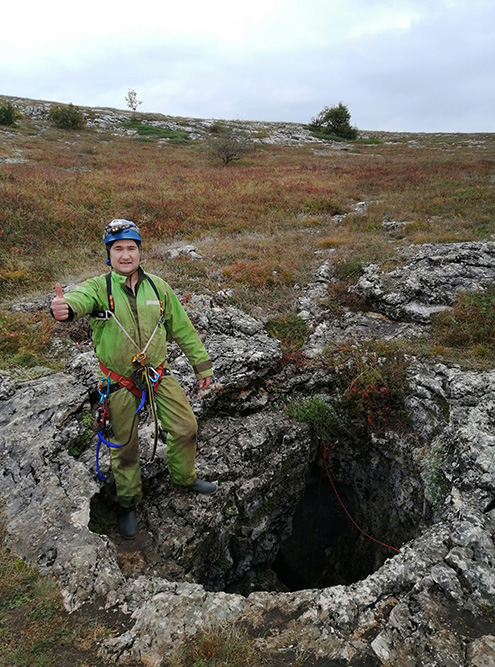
x: 118, y: 230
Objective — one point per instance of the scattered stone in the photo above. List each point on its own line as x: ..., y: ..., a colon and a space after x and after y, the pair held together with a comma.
x: 190, y: 250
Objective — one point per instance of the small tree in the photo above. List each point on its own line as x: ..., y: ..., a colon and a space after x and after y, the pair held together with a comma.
x: 67, y: 117
x: 132, y: 100
x: 228, y: 143
x: 336, y: 121
x: 9, y: 115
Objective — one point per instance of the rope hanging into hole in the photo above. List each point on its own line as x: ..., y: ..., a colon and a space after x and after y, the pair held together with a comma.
x: 324, y: 452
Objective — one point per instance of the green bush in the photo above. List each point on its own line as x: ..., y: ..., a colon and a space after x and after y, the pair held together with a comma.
x: 67, y: 117
x: 335, y: 121
x: 9, y: 114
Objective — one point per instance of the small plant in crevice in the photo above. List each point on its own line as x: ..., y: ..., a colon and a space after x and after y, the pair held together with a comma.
x: 349, y: 270
x: 86, y: 437
x: 323, y: 416
x: 341, y: 298
x: 470, y: 324
x: 290, y: 329
x: 370, y: 380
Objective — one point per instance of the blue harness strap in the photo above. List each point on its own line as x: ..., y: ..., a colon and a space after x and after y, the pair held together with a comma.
x: 101, y: 422
x: 152, y: 377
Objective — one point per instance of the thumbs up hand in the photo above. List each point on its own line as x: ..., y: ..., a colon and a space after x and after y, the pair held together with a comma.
x: 60, y: 307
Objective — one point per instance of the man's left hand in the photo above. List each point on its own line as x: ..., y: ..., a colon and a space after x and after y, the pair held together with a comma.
x: 204, y: 383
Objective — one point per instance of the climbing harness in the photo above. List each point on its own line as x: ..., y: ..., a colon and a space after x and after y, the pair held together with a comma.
x: 325, y: 449
x: 143, y: 382
x: 103, y: 425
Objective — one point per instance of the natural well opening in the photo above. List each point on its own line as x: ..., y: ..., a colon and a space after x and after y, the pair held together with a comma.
x: 285, y: 541
x: 355, y: 513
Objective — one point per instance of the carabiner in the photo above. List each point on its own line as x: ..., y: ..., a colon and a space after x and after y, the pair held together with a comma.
x: 153, y: 375
x: 104, y: 395
x: 101, y: 416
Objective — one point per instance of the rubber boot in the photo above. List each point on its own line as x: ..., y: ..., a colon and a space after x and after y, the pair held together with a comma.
x: 201, y: 486
x: 127, y: 521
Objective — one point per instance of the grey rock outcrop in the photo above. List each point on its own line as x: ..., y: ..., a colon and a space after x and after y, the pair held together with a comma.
x: 429, y: 280
x: 429, y: 492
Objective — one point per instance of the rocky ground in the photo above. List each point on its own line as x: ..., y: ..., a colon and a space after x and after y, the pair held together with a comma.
x: 428, y: 491
x: 286, y: 134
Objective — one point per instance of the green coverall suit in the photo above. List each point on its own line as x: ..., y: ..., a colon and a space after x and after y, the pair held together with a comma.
x: 138, y: 315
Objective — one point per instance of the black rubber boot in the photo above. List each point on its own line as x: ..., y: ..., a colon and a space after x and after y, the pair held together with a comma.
x: 201, y: 486
x: 127, y: 521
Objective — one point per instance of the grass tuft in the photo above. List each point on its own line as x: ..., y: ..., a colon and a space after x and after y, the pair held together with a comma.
x: 221, y: 646
x: 470, y: 324
x: 290, y: 329
x: 146, y: 131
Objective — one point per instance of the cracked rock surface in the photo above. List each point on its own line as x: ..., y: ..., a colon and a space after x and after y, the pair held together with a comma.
x: 196, y: 560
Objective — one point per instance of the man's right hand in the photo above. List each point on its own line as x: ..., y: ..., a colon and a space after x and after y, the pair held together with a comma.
x: 60, y: 307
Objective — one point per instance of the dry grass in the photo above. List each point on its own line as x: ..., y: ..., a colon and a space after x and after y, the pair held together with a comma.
x: 34, y: 628
x: 257, y: 223
x: 227, y: 645
x: 262, y: 226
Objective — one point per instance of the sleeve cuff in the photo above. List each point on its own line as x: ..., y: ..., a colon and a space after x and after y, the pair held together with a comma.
x: 70, y: 317
x: 203, y: 369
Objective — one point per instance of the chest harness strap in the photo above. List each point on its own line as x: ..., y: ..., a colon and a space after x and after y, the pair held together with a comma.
x: 142, y: 383
x: 107, y: 314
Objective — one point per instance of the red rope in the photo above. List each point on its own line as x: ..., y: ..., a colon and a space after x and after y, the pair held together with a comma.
x: 324, y: 452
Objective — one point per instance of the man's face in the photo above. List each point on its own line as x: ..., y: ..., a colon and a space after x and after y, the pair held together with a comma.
x: 124, y: 257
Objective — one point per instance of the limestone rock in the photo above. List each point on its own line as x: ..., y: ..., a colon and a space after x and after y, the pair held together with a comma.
x: 429, y: 279
x: 416, y: 585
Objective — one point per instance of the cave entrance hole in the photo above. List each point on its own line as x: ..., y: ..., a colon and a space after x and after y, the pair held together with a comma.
x: 325, y: 548
x: 313, y: 545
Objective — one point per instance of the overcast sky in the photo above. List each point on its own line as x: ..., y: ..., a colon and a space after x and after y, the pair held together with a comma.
x: 398, y: 65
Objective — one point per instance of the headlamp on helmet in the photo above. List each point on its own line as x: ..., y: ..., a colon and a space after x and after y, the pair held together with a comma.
x: 121, y: 230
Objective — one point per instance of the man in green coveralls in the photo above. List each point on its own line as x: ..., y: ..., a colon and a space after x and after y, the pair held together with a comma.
x: 144, y: 309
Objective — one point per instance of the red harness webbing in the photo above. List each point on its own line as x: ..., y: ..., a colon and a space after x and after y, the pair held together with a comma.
x: 128, y: 382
